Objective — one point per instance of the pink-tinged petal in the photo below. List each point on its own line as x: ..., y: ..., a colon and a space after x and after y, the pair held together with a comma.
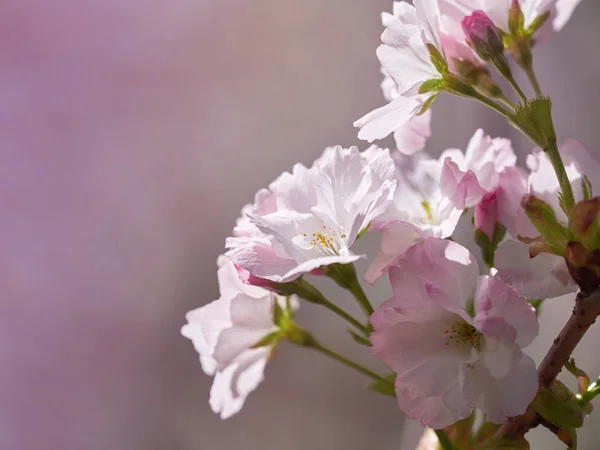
x: 502, y: 313
x: 512, y: 186
x: 396, y: 237
x: 499, y: 356
x: 313, y: 264
x: 500, y: 398
x: 261, y: 261
x: 385, y: 120
x: 462, y: 188
x: 429, y: 411
x: 486, y: 214
x: 413, y: 135
x: 544, y: 276
x: 450, y: 270
x: 223, y: 333
x: 232, y: 385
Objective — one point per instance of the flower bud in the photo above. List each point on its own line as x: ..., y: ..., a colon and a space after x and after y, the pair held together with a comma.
x: 486, y: 214
x: 485, y: 39
x: 544, y: 219
x: 583, y: 222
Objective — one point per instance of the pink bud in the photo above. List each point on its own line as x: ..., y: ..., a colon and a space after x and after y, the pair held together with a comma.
x: 482, y: 35
x: 486, y: 214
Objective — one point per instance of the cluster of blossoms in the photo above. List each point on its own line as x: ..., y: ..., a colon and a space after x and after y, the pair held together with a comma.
x: 455, y: 329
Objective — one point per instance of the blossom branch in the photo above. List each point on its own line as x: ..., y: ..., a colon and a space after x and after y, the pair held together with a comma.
x: 585, y: 312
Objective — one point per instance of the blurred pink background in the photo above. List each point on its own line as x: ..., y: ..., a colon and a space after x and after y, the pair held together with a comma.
x: 132, y: 134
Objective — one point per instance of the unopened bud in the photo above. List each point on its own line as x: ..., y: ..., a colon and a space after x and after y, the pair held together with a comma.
x: 485, y: 39
x: 583, y: 222
x: 544, y: 219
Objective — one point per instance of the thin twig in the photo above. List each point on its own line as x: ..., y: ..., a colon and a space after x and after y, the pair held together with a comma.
x: 585, y: 312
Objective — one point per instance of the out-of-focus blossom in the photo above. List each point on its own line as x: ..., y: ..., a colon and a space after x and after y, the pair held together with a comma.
x: 498, y: 10
x: 413, y: 135
x: 311, y: 218
x: 224, y: 332
x: 405, y: 59
x: 454, y: 338
x: 419, y: 210
x: 467, y: 176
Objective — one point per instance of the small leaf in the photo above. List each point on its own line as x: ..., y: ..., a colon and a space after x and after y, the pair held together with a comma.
x: 559, y: 412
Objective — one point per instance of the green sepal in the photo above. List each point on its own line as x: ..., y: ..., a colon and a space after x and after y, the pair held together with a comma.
x: 583, y: 379
x: 584, y: 219
x: 385, y: 388
x: 359, y: 338
x: 586, y: 187
x: 516, y: 18
x: 537, y: 23
x: 457, y: 86
x: 437, y: 59
x: 544, y: 219
x: 537, y: 305
x: 557, y: 407
x: 427, y: 104
x: 488, y: 247
x: 363, y: 231
x: 506, y: 443
x: 268, y: 340
x: 278, y: 314
x: 534, y: 118
x: 432, y: 85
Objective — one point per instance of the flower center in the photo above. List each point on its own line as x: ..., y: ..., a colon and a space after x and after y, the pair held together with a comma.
x: 325, y: 240
x: 461, y: 334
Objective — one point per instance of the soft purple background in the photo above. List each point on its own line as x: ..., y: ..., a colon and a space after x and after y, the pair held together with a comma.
x: 131, y: 133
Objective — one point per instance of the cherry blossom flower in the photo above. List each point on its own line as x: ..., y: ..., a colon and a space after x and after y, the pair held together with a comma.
x: 560, y: 11
x: 454, y: 338
x: 223, y: 333
x: 543, y: 275
x: 312, y: 217
x: 406, y: 61
x: 467, y: 177
x: 419, y: 210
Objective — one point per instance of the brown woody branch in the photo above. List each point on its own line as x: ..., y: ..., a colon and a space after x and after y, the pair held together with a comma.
x: 585, y: 312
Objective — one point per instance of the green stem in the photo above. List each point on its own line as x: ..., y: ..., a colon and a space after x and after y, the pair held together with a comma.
x: 361, y: 297
x: 568, y: 199
x: 343, y: 314
x: 308, y: 292
x: 444, y: 440
x: 528, y: 69
x: 493, y: 105
x: 511, y: 80
x: 345, y: 275
x: 348, y: 362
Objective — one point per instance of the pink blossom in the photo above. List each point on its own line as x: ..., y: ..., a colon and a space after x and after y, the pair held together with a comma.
x: 486, y: 214
x: 454, y: 338
x: 406, y: 61
x: 314, y: 215
x: 419, y: 210
x: 560, y: 11
x: 466, y: 177
x: 545, y: 275
x: 482, y: 35
x: 223, y: 333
